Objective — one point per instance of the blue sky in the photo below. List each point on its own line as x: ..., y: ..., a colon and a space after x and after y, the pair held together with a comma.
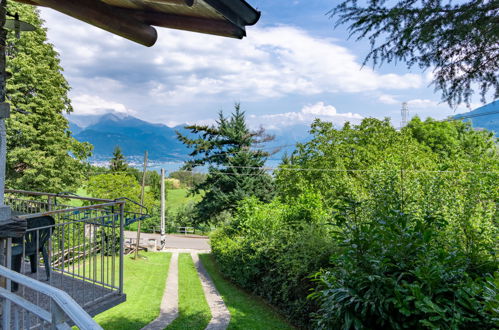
x: 292, y: 68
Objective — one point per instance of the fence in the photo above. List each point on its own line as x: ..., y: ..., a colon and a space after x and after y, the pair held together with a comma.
x: 82, y: 248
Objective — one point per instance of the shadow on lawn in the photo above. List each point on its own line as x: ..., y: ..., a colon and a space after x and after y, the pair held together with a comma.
x: 191, y: 321
x: 121, y: 323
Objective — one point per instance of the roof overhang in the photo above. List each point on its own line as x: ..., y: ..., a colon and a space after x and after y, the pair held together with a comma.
x: 134, y: 19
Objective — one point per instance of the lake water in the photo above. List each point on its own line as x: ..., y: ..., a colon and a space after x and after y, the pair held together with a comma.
x: 172, y: 166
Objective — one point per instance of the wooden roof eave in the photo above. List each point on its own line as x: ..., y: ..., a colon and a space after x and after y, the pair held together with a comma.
x: 136, y: 24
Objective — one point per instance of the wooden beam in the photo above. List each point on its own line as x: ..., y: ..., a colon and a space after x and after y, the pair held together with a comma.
x: 188, y: 23
x: 189, y: 3
x: 105, y: 17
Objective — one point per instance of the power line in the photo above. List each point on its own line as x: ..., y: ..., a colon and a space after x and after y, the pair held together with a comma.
x: 312, y: 169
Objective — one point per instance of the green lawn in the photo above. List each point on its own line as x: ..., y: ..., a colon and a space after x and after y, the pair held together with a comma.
x: 247, y: 312
x: 193, y: 309
x: 144, y: 287
x: 175, y: 198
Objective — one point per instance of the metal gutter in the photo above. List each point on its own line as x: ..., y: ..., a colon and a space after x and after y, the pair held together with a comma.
x: 238, y: 12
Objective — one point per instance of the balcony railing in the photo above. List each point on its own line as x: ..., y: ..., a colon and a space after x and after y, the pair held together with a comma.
x: 83, y: 247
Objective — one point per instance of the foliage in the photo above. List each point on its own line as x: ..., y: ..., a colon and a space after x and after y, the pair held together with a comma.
x: 392, y: 272
x: 118, y: 162
x: 188, y: 179
x: 234, y: 164
x: 399, y: 227
x: 457, y: 39
x: 153, y: 181
x: 114, y: 186
x: 183, y: 216
x: 271, y: 249
x: 42, y: 155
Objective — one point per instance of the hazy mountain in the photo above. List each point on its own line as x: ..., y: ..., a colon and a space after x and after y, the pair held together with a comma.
x: 134, y: 136
x: 74, y: 128
x: 486, y: 117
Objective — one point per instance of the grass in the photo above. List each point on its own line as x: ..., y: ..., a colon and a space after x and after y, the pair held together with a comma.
x: 176, y: 198
x: 247, y: 311
x: 194, y: 312
x: 144, y: 287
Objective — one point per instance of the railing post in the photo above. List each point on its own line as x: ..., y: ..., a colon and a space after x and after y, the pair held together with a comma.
x: 7, y: 251
x: 122, y: 245
x: 49, y: 203
x: 58, y: 316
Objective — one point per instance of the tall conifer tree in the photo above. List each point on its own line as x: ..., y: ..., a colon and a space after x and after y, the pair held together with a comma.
x: 118, y: 162
x: 235, y: 165
x: 42, y: 154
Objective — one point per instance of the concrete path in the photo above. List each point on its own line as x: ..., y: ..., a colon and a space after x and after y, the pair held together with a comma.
x: 220, y: 314
x: 169, y: 304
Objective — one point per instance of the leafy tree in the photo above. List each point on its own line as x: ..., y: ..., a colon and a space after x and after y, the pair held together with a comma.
x: 42, y: 155
x: 459, y: 39
x: 235, y: 165
x: 117, y: 185
x: 153, y: 180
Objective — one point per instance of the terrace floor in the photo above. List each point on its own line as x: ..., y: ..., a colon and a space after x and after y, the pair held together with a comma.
x: 94, y: 298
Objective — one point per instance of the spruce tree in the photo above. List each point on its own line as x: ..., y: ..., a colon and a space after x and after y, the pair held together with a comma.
x: 42, y: 155
x: 235, y: 165
x: 118, y: 162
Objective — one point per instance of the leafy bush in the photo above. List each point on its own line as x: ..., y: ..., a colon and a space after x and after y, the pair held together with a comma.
x: 271, y: 250
x: 390, y: 273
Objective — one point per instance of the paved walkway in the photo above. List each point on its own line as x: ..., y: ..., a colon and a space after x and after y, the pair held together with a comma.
x: 220, y: 315
x: 169, y: 305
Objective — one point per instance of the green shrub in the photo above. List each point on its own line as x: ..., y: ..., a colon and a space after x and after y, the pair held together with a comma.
x: 271, y: 250
x: 391, y: 273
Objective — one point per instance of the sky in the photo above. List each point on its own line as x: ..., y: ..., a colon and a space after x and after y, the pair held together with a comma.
x: 291, y: 68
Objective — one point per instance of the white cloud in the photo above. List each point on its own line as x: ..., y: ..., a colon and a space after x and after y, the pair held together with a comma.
x: 424, y: 103
x: 388, y: 99
x: 305, y: 116
x: 94, y: 105
x: 319, y: 109
x: 271, y: 63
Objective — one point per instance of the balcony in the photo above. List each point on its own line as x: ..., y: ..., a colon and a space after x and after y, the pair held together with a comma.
x: 82, y: 239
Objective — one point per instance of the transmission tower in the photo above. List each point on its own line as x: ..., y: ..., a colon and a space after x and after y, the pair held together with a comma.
x: 405, y: 114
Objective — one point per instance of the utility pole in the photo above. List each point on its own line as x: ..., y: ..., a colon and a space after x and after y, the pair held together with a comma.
x: 163, y: 237
x: 142, y: 192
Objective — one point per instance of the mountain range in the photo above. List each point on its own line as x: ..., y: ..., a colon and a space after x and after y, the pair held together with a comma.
x: 134, y: 135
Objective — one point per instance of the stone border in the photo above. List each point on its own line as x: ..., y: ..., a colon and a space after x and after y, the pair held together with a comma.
x: 220, y: 315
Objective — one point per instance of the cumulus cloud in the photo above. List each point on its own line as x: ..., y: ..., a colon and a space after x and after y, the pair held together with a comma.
x: 423, y: 103
x: 305, y: 116
x: 388, y: 99
x: 271, y: 63
x: 94, y: 105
